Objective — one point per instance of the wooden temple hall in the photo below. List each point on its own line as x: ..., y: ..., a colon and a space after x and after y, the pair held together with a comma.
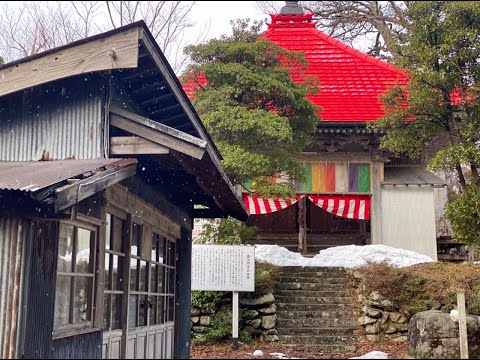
x: 102, y: 161
x: 354, y: 192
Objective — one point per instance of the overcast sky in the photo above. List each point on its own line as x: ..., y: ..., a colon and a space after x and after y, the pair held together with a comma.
x: 219, y: 14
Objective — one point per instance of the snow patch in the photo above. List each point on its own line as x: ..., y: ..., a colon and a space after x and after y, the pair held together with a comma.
x: 373, y: 355
x: 349, y: 256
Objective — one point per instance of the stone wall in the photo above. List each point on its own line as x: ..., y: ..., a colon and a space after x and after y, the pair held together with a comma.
x: 378, y: 315
x: 257, y: 313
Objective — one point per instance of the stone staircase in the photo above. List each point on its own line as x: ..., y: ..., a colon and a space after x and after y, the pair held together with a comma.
x: 314, y: 310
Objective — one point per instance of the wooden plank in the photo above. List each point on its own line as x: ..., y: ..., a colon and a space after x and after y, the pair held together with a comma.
x: 157, y: 136
x: 119, y: 196
x: 117, y: 51
x: 134, y: 145
x: 85, y: 188
x: 375, y: 204
x: 462, y: 324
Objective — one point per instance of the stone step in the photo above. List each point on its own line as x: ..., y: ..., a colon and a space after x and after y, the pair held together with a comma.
x: 326, y: 274
x: 281, y: 306
x: 314, y: 279
x: 309, y: 286
x: 291, y: 299
x: 320, y: 322
x: 320, y: 349
x: 318, y: 340
x: 302, y: 293
x: 325, y: 331
x: 311, y: 269
x: 317, y: 315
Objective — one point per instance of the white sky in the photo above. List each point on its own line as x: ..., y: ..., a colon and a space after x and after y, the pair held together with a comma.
x: 219, y: 14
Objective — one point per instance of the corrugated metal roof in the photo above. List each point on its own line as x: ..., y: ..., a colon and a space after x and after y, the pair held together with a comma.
x: 31, y: 176
x: 411, y: 176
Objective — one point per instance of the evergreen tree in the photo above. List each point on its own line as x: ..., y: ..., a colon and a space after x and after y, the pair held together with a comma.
x: 260, y: 119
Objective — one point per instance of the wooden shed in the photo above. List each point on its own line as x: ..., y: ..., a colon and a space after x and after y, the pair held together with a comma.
x: 103, y: 161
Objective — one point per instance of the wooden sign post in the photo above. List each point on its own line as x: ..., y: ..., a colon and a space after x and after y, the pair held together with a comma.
x: 462, y: 323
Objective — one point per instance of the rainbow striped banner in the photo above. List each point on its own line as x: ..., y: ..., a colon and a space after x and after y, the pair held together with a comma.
x: 335, y: 177
x: 330, y: 177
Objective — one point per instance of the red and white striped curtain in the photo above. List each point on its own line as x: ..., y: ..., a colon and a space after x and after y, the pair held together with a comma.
x: 346, y: 206
x: 257, y: 205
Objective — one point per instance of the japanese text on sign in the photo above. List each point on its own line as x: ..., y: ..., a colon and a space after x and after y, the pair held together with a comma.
x: 223, y: 268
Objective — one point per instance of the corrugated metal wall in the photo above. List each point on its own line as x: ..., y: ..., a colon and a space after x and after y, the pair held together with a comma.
x: 54, y: 121
x: 12, y: 255
x: 408, y: 219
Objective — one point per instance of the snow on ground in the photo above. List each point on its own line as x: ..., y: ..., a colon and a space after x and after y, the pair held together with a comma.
x: 349, y: 256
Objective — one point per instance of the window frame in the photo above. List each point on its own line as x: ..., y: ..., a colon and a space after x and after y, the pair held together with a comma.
x: 95, y: 233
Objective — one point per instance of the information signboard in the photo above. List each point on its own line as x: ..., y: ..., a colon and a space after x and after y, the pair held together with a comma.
x: 223, y: 267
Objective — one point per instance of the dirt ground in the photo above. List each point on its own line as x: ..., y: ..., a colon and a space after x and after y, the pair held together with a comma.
x: 395, y: 350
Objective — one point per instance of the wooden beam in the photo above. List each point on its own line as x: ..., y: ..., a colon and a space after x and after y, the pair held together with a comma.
x: 117, y: 51
x: 302, y: 225
x: 158, y: 133
x: 134, y: 145
x: 73, y: 193
x: 156, y: 99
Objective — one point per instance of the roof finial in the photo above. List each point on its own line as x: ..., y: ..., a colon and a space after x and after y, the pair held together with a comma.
x: 292, y: 8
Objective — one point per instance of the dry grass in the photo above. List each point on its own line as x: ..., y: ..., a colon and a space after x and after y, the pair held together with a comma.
x: 424, y: 286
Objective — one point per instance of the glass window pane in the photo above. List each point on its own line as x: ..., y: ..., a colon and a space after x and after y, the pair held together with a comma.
x: 134, y: 274
x: 161, y: 250
x: 106, y: 311
x: 83, y: 251
x: 118, y: 235
x: 136, y: 233
x: 116, y: 312
x: 62, y: 301
x: 132, y: 311
x: 161, y: 280
x: 82, y: 300
x: 171, y: 281
x: 160, y: 310
x: 108, y: 231
x: 153, y: 310
x: 142, y: 315
x: 143, y: 276
x: 155, y: 247
x: 108, y: 268
x: 171, y: 253
x: 170, y: 308
x: 65, y: 248
x: 153, y: 278
x: 117, y: 272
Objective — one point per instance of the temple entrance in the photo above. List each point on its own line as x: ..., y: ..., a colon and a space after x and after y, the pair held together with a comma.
x: 322, y: 229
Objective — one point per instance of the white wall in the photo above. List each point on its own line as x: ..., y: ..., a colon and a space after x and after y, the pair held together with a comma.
x: 408, y: 219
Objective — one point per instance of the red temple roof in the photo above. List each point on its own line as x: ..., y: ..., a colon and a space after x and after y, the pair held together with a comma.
x: 350, y: 81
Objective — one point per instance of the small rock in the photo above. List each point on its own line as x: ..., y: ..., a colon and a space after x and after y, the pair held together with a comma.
x: 204, y: 320
x: 266, y: 299
x: 272, y: 309
x: 269, y: 321
x: 371, y: 312
x: 195, y: 319
x: 372, y: 329
x: 255, y: 323
x: 390, y: 330
x: 357, y: 275
x: 271, y: 338
x: 272, y: 332
x: 258, y: 353
x: 199, y: 329
x: 250, y: 314
x: 195, y: 311
x: 387, y: 304
x: 365, y: 320
x: 400, y: 339
x: 385, y: 317
x: 395, y: 316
